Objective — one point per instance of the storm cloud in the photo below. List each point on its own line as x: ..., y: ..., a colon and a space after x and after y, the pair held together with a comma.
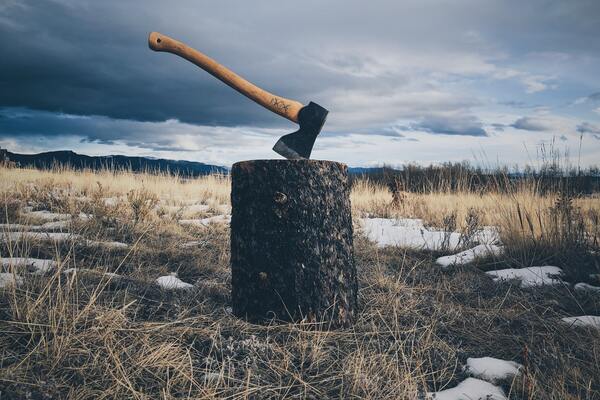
x: 82, y: 69
x: 531, y: 124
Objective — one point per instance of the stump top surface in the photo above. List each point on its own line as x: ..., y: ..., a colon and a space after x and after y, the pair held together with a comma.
x: 288, y: 163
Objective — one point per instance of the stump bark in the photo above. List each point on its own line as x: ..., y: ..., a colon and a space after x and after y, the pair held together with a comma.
x: 291, y: 241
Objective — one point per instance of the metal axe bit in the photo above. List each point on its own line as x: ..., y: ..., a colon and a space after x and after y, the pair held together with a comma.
x: 296, y: 145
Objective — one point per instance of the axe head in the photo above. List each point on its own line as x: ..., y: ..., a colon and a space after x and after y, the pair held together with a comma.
x: 298, y: 145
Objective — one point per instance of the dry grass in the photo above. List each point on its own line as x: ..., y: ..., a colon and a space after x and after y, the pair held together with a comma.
x: 89, y: 335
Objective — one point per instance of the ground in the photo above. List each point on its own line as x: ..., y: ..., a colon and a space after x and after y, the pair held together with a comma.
x: 135, y: 300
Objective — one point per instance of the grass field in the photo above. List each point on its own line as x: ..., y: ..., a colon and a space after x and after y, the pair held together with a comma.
x: 95, y: 323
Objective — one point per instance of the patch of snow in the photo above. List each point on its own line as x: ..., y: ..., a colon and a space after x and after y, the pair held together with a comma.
x: 470, y: 389
x: 172, y: 282
x: 111, y: 201
x: 586, y: 287
x: 532, y: 276
x: 407, y: 233
x: 84, y: 216
x: 195, y: 222
x: 110, y: 245
x: 491, y: 369
x: 8, y: 279
x: 112, y: 275
x: 197, y: 208
x: 217, y: 219
x: 59, y: 236
x: 48, y: 215
x: 468, y: 256
x: 192, y: 243
x: 168, y: 208
x: 39, y: 266
x: 19, y: 227
x: 63, y: 224
x: 487, y: 235
x: 54, y: 236
x: 584, y: 320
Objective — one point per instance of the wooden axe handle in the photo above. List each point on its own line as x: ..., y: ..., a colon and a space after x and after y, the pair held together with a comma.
x: 279, y: 105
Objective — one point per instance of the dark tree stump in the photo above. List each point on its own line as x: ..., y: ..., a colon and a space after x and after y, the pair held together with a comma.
x: 291, y: 241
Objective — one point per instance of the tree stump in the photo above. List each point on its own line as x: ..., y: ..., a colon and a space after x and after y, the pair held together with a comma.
x: 291, y: 241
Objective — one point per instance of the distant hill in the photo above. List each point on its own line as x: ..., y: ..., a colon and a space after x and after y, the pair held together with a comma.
x: 137, y: 164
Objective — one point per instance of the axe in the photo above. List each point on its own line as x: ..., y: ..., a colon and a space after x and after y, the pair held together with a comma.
x: 296, y: 145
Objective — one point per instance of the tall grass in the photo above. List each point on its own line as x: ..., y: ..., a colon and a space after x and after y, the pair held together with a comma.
x: 214, y: 188
x: 90, y: 335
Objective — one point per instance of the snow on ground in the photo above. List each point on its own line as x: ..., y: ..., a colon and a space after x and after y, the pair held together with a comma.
x: 409, y: 232
x: 488, y: 235
x: 111, y: 201
x: 63, y: 224
x: 172, y: 282
x: 18, y: 227
x: 192, y: 243
x: 54, y: 236
x: 491, y: 369
x: 223, y: 219
x: 197, y: 208
x: 532, y: 276
x: 584, y: 320
x: 48, y: 215
x: 110, y: 245
x: 470, y: 389
x: 586, y: 287
x: 59, y: 237
x: 468, y: 256
x: 406, y: 232
x: 8, y: 279
x: 39, y: 266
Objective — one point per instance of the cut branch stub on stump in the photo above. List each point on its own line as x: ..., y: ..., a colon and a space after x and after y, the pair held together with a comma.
x: 291, y: 241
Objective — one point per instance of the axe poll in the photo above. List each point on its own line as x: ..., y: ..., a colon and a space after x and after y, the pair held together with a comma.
x: 310, y: 118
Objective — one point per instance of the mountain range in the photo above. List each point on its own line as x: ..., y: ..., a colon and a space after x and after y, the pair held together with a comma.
x: 136, y: 164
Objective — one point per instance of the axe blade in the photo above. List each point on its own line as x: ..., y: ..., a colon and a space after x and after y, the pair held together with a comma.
x: 299, y: 144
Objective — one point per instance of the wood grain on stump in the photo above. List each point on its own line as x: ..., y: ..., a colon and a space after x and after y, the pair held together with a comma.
x: 291, y: 241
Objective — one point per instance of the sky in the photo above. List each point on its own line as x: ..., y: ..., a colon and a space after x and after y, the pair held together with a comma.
x: 490, y: 82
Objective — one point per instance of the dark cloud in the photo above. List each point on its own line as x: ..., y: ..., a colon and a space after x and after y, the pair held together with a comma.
x: 91, y: 58
x: 594, y: 97
x: 519, y: 104
x: 442, y: 125
x: 586, y: 127
x: 372, y: 66
x: 170, y: 135
x: 530, y: 124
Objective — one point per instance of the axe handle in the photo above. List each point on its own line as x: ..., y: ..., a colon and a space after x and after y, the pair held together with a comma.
x: 279, y: 105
